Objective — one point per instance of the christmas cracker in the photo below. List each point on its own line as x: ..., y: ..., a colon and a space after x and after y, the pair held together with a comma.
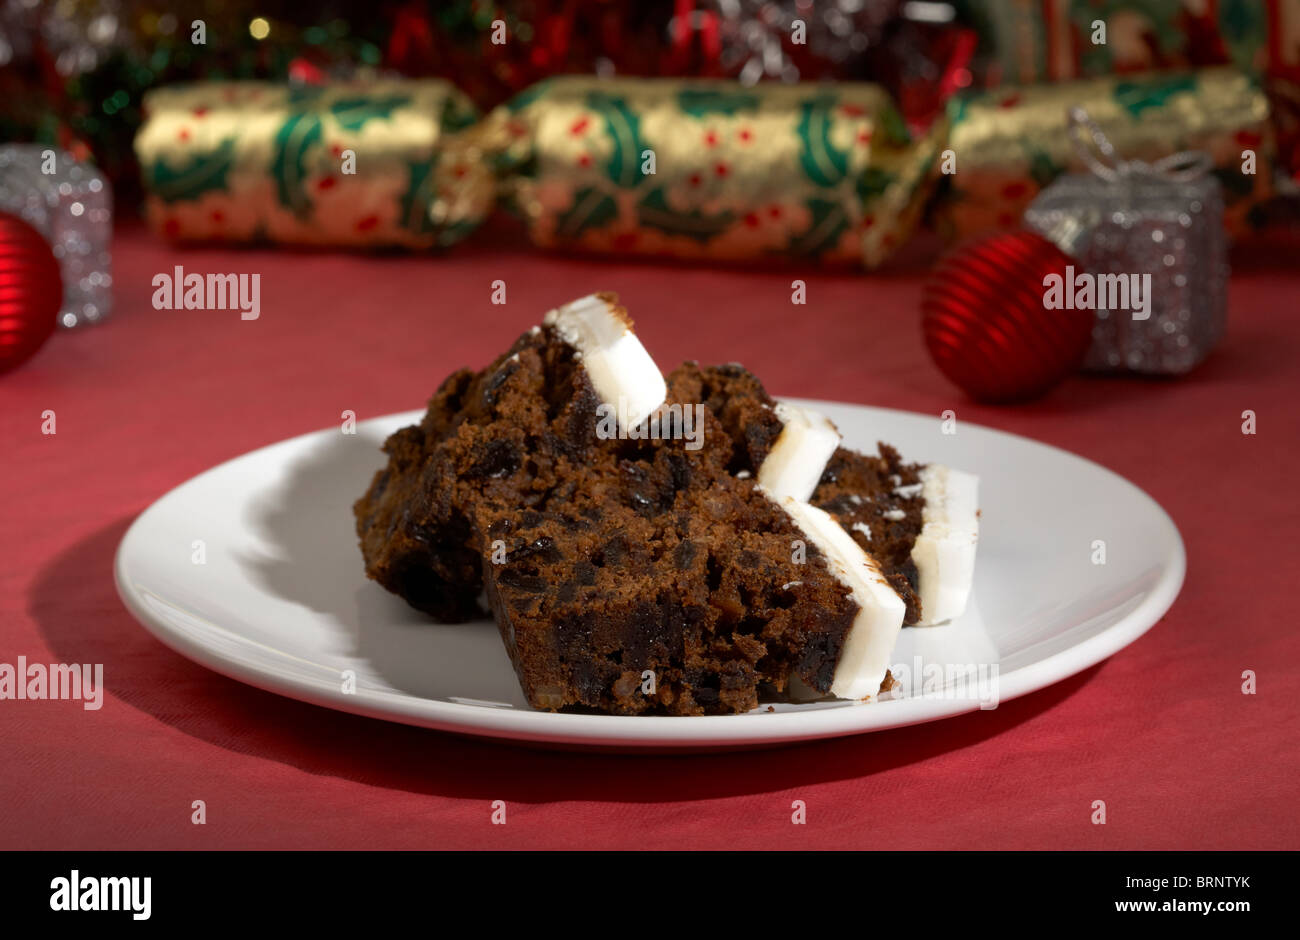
x: 1010, y: 143
x: 686, y: 168
x: 338, y: 164
x: 709, y: 169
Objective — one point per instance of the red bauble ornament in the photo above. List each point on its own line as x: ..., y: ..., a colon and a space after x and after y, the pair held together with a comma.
x: 31, y: 291
x: 985, y: 323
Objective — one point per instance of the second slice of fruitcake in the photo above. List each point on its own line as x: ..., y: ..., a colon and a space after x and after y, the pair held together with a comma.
x: 918, y: 521
x: 689, y: 610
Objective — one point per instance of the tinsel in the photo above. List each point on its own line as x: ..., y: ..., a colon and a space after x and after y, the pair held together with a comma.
x: 71, y: 204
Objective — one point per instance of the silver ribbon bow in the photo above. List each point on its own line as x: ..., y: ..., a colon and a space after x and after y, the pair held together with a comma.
x: 1180, y: 167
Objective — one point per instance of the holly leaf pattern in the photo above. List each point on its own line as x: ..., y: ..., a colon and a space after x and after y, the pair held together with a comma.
x: 304, y: 129
x: 299, y: 133
x: 821, y: 161
x: 418, y: 197
x: 458, y: 114
x: 529, y: 95
x: 590, y: 209
x: 700, y: 103
x: 873, y: 182
x: 205, y: 173
x: 1042, y: 168
x: 958, y: 110
x: 829, y: 222
x: 624, y: 129
x: 893, y: 128
x: 653, y: 211
x: 353, y: 113
x: 1136, y: 97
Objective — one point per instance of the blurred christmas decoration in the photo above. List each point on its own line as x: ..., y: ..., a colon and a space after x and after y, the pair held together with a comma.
x: 77, y: 70
x: 709, y: 169
x: 985, y: 323
x: 1030, y: 41
x: 1059, y: 40
x: 924, y: 59
x: 71, y: 204
x: 1150, y: 237
x: 1011, y: 143
x: 73, y: 73
x: 1284, y: 100
x: 494, y: 50
x: 342, y: 163
x: 921, y: 52
x: 751, y: 40
x: 30, y: 291
x: 77, y: 37
x: 795, y: 40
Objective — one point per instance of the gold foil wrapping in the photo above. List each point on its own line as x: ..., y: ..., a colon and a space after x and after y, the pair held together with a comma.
x: 709, y: 169
x: 340, y: 164
x: 685, y: 168
x: 1009, y: 144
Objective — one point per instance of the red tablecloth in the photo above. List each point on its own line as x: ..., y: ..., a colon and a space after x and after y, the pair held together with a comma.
x: 1161, y: 732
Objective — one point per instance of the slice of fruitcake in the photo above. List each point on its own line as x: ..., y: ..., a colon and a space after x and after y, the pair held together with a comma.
x: 649, y: 546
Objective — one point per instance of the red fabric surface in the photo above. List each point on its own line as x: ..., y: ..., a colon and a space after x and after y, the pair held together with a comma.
x: 1161, y: 731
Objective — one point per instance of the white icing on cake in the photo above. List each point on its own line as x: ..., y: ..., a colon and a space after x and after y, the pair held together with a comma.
x: 622, y: 372
x: 944, y: 551
x: 864, y: 657
x: 796, y: 461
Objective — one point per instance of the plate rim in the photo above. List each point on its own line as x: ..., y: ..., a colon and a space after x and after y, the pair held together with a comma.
x: 656, y: 731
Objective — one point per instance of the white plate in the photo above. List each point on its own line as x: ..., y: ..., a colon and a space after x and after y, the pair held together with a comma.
x: 281, y: 602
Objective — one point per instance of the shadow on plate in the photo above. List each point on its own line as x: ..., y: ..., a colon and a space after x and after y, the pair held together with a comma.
x: 316, y: 563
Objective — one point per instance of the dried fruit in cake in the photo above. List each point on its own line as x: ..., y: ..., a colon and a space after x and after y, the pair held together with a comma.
x: 644, y: 546
x: 918, y: 521
x: 510, y: 434
x: 665, y: 581
x: 692, y: 608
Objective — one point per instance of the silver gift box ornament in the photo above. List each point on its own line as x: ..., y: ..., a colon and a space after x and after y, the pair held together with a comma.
x: 71, y: 204
x: 1131, y: 218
